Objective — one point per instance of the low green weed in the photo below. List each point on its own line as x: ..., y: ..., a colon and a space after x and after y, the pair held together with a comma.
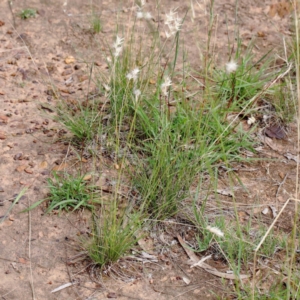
x: 67, y: 192
x: 28, y: 13
x: 96, y: 24
x: 83, y: 122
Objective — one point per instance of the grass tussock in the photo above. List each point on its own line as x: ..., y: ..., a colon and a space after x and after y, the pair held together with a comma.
x: 175, y: 127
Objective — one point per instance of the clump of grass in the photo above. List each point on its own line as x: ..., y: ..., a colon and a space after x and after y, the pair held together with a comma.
x: 67, y: 192
x: 96, y: 24
x: 171, y: 139
x: 28, y: 13
x: 83, y: 122
x: 243, y: 78
x: 112, y: 236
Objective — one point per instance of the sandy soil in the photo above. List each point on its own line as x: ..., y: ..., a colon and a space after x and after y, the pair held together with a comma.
x: 35, y: 248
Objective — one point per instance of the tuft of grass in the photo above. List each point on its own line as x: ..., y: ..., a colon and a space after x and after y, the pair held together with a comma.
x: 170, y: 137
x: 112, y: 236
x: 83, y: 122
x: 236, y: 87
x: 28, y: 13
x: 96, y: 24
x: 67, y: 192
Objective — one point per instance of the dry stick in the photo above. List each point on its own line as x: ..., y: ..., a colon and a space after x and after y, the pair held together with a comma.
x: 29, y: 253
x: 12, y: 13
x: 281, y: 184
x: 3, y: 296
x: 263, y: 239
x: 295, y: 5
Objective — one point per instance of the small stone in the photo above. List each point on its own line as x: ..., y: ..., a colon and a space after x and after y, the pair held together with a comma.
x: 69, y: 60
x: 41, y: 12
x: 18, y: 156
x: 24, y: 183
x: 3, y: 118
x: 67, y: 72
x: 21, y: 168
x: 45, y: 173
x: 2, y: 135
x: 28, y: 170
x: 1, y: 189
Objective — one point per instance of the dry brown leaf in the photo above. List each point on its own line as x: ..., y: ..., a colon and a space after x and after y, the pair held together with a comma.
x: 270, y: 143
x: 29, y: 170
x: 261, y: 34
x: 275, y: 131
x: 243, y: 216
x: 282, y: 8
x: 22, y: 260
x: 43, y: 165
x: 21, y: 168
x: 87, y: 177
x: 290, y: 156
x: 60, y: 167
x: 273, y: 10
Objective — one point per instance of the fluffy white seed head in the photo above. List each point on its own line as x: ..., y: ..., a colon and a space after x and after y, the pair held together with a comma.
x: 251, y: 121
x: 215, y: 231
x: 137, y: 92
x: 147, y: 16
x: 231, y: 67
x: 118, y: 46
x: 165, y: 85
x: 173, y: 22
x: 133, y: 74
x: 139, y: 14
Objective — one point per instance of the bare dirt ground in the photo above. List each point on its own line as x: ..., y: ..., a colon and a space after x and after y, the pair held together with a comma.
x: 35, y: 248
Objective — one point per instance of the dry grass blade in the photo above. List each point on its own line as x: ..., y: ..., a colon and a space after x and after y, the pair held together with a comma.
x: 199, y: 263
x: 66, y: 285
x: 264, y: 238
